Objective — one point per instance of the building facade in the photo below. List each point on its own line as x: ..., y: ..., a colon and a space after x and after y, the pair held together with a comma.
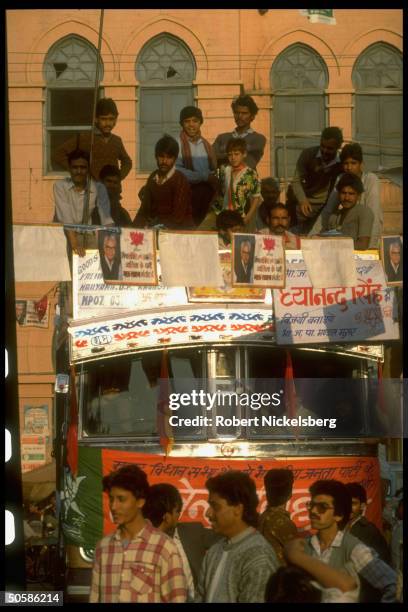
x: 303, y: 76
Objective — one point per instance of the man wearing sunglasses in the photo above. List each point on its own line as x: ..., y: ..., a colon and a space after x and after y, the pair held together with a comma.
x: 329, y: 511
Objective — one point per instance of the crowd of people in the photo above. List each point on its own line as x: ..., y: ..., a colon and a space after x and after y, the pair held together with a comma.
x: 197, y: 186
x: 244, y: 558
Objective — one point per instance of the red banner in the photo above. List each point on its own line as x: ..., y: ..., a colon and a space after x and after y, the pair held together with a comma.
x: 189, y: 475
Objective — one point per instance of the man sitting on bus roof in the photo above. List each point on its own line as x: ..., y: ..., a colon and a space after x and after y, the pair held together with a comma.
x: 278, y: 219
x: 137, y: 563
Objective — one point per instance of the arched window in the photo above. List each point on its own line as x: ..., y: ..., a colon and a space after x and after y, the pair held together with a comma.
x: 165, y: 69
x: 69, y: 72
x: 299, y: 78
x: 377, y: 80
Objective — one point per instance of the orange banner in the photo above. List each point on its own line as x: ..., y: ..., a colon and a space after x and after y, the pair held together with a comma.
x: 189, y: 475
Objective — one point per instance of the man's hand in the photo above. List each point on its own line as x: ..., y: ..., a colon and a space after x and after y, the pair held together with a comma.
x: 306, y: 208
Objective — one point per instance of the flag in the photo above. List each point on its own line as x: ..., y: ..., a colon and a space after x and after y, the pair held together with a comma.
x: 72, y: 435
x: 381, y: 398
x: 290, y: 391
x: 163, y: 409
x: 319, y: 15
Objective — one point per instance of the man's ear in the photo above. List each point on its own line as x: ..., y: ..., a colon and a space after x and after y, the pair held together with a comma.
x: 338, y: 518
x: 140, y: 502
x: 167, y: 519
x: 239, y: 510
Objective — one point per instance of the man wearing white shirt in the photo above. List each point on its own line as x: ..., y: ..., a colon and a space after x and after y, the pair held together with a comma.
x: 197, y: 162
x: 70, y: 197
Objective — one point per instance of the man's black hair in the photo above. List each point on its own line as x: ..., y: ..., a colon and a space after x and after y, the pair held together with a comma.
x: 227, y: 219
x: 333, y: 133
x: 358, y: 491
x: 190, y: 111
x: 278, y: 486
x: 237, y: 488
x: 129, y: 477
x: 350, y: 180
x: 162, y: 498
x: 106, y: 106
x: 168, y: 145
x: 78, y: 154
x: 269, y: 180
x: 247, y: 101
x: 352, y: 150
x: 340, y: 494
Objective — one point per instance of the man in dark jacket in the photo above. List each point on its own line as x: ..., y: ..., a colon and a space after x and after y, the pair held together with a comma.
x: 316, y: 171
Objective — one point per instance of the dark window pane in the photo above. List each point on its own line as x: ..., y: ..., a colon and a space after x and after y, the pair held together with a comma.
x: 71, y: 107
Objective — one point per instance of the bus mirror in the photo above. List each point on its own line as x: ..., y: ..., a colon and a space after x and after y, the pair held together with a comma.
x: 62, y: 383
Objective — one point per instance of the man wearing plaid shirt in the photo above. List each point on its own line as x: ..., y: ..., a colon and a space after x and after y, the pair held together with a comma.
x: 329, y: 511
x: 138, y: 563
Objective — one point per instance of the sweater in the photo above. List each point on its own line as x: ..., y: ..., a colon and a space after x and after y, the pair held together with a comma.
x: 167, y: 204
x: 249, y: 563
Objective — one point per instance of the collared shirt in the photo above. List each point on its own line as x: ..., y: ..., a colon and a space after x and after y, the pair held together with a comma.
x: 69, y: 203
x: 332, y: 162
x: 362, y: 561
x: 148, y: 570
x: 236, y: 134
x: 163, y: 179
x: 355, y: 222
x: 199, y: 158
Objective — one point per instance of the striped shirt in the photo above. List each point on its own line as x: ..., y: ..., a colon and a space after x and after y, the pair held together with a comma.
x: 148, y: 570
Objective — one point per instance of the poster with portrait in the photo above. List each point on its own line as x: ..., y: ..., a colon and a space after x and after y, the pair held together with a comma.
x: 33, y: 313
x: 226, y: 292
x: 258, y: 260
x: 391, y: 257
x: 128, y: 257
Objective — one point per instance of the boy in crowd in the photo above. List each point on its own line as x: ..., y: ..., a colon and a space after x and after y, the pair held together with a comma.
x: 351, y: 158
x: 240, y: 187
x: 228, y: 222
x: 69, y: 197
x: 237, y: 568
x: 350, y: 217
x: 137, y: 563
x: 163, y: 508
x: 316, y: 171
x: 197, y: 162
x: 278, y: 220
x: 166, y: 197
x: 110, y: 177
x: 107, y: 147
x: 275, y: 523
x: 270, y: 193
x: 245, y: 111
